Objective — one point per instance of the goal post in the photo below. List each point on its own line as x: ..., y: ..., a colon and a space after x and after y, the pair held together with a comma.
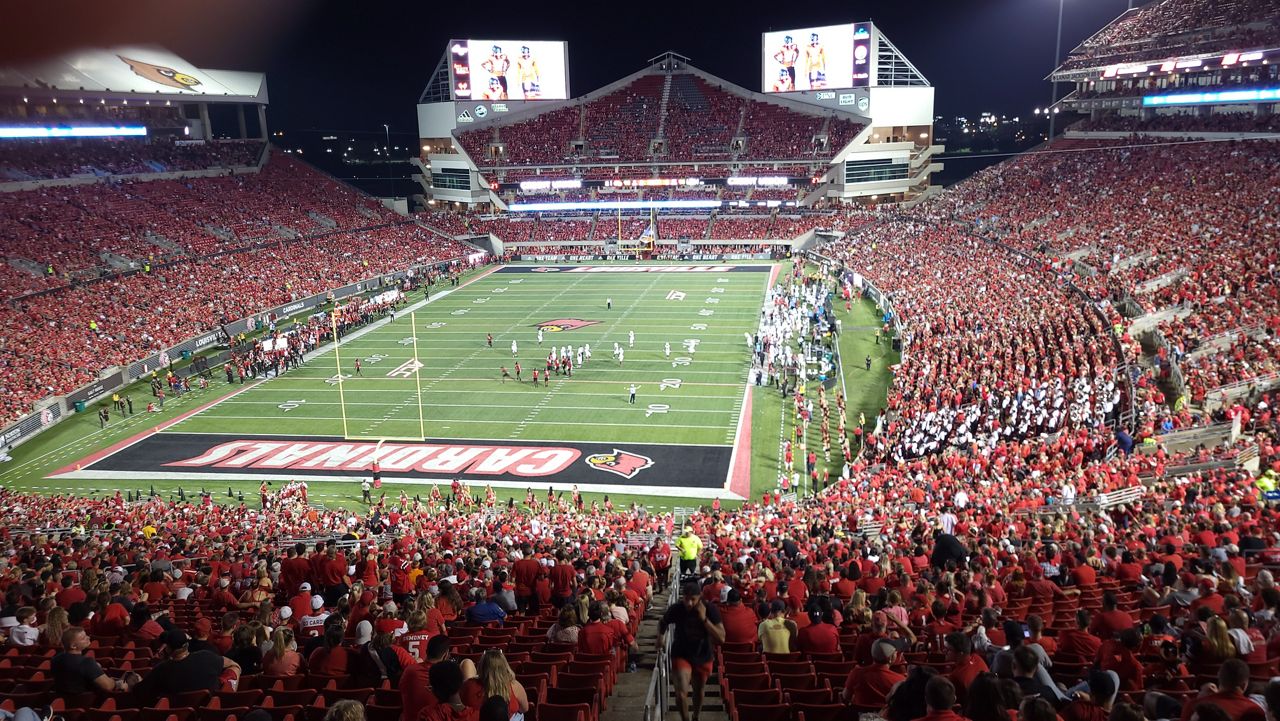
x: 340, y: 380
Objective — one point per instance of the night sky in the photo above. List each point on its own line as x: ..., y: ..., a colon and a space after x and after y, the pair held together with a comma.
x: 351, y: 66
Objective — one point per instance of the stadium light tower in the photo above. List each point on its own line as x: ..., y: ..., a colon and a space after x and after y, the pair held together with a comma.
x: 1057, y: 54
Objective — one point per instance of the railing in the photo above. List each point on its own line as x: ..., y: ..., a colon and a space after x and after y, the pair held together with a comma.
x: 659, y: 691
x: 1219, y: 396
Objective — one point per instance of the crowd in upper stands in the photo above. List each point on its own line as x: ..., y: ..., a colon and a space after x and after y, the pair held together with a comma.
x: 702, y: 122
x: 1172, y: 28
x: 36, y: 160
x: 295, y: 233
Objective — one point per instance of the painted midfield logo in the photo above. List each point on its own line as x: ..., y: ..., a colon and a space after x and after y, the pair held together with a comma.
x: 545, y: 269
x: 622, y: 463
x: 555, y: 326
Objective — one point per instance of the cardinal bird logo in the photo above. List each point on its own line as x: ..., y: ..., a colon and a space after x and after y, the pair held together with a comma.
x: 161, y: 74
x: 545, y: 269
x: 555, y: 326
x: 622, y: 463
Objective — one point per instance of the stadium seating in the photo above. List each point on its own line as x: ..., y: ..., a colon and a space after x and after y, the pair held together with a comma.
x: 37, y: 160
x: 700, y: 123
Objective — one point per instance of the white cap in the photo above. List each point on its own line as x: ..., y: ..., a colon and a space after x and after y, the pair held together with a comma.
x: 304, y: 587
x: 364, y: 632
x: 317, y: 603
x: 286, y: 613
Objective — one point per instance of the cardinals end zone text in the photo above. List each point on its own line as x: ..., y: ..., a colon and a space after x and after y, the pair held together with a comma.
x: 202, y: 455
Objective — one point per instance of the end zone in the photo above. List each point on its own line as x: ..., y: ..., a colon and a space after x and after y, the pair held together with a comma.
x: 684, y: 471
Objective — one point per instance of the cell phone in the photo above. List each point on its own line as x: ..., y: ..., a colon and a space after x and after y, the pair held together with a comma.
x: 1026, y: 631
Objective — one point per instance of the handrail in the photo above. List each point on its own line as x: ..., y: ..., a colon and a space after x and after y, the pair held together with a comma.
x: 659, y: 690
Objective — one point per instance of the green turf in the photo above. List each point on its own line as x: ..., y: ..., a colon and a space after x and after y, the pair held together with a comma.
x: 464, y: 398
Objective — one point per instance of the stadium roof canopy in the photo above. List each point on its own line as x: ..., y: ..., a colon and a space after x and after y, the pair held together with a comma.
x: 1172, y: 30
x: 128, y: 72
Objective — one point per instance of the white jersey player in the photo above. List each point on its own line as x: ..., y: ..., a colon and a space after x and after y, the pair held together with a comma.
x: 539, y: 336
x: 631, y: 339
x: 514, y: 350
x: 666, y: 349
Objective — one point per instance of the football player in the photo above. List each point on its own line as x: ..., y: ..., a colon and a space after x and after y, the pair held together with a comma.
x: 527, y: 69
x: 497, y: 65
x: 815, y: 62
x: 786, y: 57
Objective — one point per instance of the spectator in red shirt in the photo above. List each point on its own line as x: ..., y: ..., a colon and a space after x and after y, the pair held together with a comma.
x: 1121, y: 657
x: 562, y: 579
x: 965, y: 664
x: 740, y: 622
x: 331, y: 659
x: 821, y: 635
x: 597, y: 637
x: 939, y: 698
x: 70, y: 593
x: 1228, y: 694
x: 1078, y: 641
x: 1110, y: 621
x: 869, y: 686
x: 446, y: 681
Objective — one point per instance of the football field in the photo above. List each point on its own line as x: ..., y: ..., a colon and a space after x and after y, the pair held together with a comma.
x: 430, y: 388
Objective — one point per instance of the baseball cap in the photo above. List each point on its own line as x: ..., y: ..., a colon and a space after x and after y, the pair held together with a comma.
x: 305, y: 586
x: 364, y: 632
x: 286, y: 613
x: 317, y: 603
x: 174, y: 638
x: 882, y: 651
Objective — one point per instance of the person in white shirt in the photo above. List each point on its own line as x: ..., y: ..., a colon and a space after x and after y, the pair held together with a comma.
x: 962, y: 498
x: 26, y: 632
x: 631, y: 339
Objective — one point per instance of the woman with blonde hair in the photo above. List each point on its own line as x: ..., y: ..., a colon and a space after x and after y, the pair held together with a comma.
x: 283, y: 659
x: 54, y: 626
x: 426, y: 604
x: 1217, y: 645
x: 496, y: 679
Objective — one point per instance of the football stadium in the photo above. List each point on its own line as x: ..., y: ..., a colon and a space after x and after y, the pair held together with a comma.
x: 680, y: 391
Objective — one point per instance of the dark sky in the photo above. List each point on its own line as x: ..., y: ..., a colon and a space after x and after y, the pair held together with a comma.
x: 354, y: 65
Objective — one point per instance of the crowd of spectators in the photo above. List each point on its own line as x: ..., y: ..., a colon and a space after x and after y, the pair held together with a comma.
x: 64, y: 158
x: 66, y: 229
x: 380, y: 608
x: 1177, y: 211
x: 628, y: 125
x: 56, y: 342
x: 1173, y: 28
x: 1240, y: 122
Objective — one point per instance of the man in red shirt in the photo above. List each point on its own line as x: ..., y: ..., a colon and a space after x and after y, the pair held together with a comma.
x: 1229, y: 694
x: 525, y: 573
x: 966, y: 665
x: 740, y: 623
x: 870, y: 685
x: 70, y: 593
x: 294, y: 569
x: 1078, y: 641
x: 1121, y: 656
x: 660, y: 557
x: 301, y: 602
x: 562, y: 580
x: 597, y: 637
x: 1110, y: 621
x: 939, y: 697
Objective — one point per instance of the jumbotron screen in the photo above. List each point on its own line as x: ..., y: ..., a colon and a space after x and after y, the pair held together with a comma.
x: 509, y: 69
x: 823, y: 58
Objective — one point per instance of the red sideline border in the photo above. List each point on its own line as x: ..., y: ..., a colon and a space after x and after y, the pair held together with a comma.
x: 126, y: 442
x: 740, y: 473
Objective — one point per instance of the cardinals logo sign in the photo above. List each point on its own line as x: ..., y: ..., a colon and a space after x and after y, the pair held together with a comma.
x: 620, y: 463
x: 555, y: 326
x: 161, y: 75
